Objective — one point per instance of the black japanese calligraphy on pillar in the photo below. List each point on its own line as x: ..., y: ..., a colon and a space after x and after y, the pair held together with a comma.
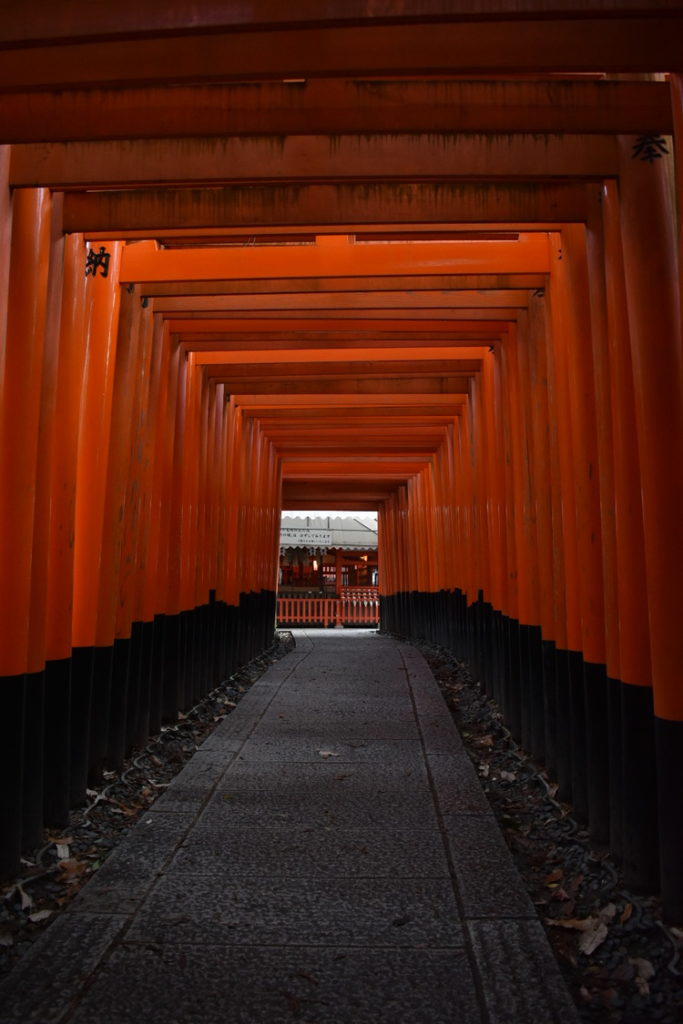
x: 650, y: 148
x: 97, y: 261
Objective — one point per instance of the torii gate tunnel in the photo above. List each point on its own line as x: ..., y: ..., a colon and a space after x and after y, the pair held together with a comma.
x: 419, y: 257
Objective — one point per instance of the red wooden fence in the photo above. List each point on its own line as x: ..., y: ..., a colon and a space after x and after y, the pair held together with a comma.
x: 357, y: 606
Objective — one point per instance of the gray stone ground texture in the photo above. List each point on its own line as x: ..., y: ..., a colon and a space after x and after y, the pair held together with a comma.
x: 327, y: 857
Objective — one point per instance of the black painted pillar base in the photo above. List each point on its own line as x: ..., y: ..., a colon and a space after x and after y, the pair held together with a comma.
x: 141, y: 725
x: 134, y: 683
x: 11, y: 772
x: 515, y: 685
x: 34, y: 728
x: 118, y: 703
x: 57, y: 742
x: 156, y: 674
x: 578, y: 737
x: 597, y: 751
x: 99, y: 712
x: 170, y: 669
x: 669, y: 744
x: 639, y: 796
x: 564, y: 717
x: 549, y: 682
x: 615, y: 753
x: 81, y: 695
x: 533, y: 639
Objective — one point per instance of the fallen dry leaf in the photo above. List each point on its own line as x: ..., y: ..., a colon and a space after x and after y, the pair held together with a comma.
x: 554, y: 876
x: 626, y: 913
x: 40, y: 915
x: 26, y: 900
x: 508, y: 776
x: 593, y: 936
x: 578, y: 923
x: 72, y: 868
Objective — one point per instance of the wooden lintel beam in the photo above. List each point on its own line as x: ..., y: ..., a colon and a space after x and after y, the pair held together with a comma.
x: 504, y: 314
x: 435, y: 404
x: 340, y: 343
x: 328, y: 329
x: 284, y: 286
x: 313, y: 159
x: 332, y: 359
x: 338, y: 302
x: 319, y: 386
x: 335, y: 257
x: 637, y: 37
x: 72, y: 21
x: 336, y: 107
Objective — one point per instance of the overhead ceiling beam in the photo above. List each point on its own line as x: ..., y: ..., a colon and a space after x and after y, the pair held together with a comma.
x: 337, y: 107
x: 574, y: 37
x: 327, y: 329
x: 342, y: 385
x: 338, y: 302
x: 72, y: 21
x: 332, y: 257
x: 280, y: 286
x: 455, y: 341
x: 313, y: 359
x: 312, y: 158
x: 453, y: 315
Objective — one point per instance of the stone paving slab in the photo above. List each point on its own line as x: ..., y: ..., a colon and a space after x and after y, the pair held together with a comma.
x: 528, y: 985
x: 220, y: 985
x: 49, y: 978
x: 456, y: 786
x: 354, y: 727
x: 487, y: 879
x: 323, y: 801
x: 306, y: 851
x: 120, y: 885
x: 244, y: 910
x: 296, y: 748
x: 272, y: 883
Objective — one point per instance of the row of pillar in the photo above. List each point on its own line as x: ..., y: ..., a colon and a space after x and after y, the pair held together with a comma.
x: 139, y: 521
x: 543, y: 542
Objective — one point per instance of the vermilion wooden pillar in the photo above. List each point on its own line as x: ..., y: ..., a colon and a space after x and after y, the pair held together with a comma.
x: 602, y: 723
x: 632, y: 764
x: 91, y: 666
x: 573, y: 329
x: 535, y: 531
x: 39, y: 729
x: 652, y: 294
x: 108, y: 737
x: 21, y: 376
x: 62, y: 525
x: 566, y: 554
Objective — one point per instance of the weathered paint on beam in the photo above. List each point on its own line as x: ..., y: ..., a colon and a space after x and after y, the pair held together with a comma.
x: 329, y: 329
x: 72, y: 20
x: 472, y: 282
x: 325, y: 107
x: 143, y: 262
x: 609, y: 42
x: 359, y: 386
x: 313, y: 158
x: 437, y: 301
x: 312, y: 358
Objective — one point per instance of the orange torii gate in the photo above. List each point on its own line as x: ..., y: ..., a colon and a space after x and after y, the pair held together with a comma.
x: 454, y: 300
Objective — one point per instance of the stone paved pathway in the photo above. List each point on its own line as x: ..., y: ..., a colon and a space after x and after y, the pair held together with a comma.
x: 327, y: 857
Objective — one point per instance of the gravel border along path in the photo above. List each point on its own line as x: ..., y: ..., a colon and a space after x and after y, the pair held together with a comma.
x: 622, y: 964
